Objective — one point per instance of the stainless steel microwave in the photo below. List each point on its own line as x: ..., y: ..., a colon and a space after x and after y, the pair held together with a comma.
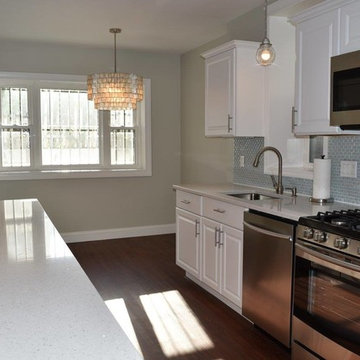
x: 345, y: 91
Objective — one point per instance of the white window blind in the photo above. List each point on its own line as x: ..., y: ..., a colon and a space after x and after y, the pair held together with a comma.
x: 15, y: 130
x: 69, y: 128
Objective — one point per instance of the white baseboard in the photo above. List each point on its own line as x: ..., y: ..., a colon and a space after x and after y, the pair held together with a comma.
x: 106, y: 234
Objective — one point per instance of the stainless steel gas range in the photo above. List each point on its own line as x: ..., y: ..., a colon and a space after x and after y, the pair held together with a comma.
x: 326, y: 316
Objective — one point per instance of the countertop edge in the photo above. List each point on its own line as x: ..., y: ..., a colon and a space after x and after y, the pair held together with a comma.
x: 285, y: 206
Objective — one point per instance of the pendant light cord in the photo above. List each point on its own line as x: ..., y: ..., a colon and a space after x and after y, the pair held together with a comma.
x: 115, y: 31
x: 115, y: 52
x: 266, y: 19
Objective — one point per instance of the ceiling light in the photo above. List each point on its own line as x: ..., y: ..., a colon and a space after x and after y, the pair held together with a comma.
x: 115, y: 91
x: 265, y: 54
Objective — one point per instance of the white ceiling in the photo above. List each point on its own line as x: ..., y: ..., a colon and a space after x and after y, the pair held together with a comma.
x: 156, y: 25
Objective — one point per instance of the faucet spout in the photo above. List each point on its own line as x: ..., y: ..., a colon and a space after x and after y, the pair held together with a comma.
x: 277, y: 185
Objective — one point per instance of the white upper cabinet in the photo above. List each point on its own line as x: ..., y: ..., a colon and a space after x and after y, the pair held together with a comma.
x: 350, y: 27
x: 316, y: 41
x: 322, y: 31
x: 219, y: 94
x: 234, y: 90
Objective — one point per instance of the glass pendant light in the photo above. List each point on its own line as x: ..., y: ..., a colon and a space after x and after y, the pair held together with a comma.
x: 265, y: 54
x: 115, y: 91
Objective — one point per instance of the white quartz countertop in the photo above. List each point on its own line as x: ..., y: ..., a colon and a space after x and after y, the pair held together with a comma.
x: 48, y: 307
x: 284, y: 206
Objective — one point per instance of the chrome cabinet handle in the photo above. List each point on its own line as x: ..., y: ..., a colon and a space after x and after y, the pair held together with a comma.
x: 293, y: 121
x: 197, y: 227
x: 229, y: 123
x: 216, y: 236
x: 186, y: 201
x: 221, y: 237
x: 221, y: 211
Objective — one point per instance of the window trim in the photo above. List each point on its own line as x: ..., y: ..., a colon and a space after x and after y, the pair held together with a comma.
x: 37, y: 81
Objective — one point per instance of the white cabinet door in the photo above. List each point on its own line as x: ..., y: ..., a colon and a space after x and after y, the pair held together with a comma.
x: 219, y: 94
x: 211, y: 254
x: 234, y: 90
x: 350, y: 27
x: 232, y: 259
x: 188, y: 242
x: 316, y: 42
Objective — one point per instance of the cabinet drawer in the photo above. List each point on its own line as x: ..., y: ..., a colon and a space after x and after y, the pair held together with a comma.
x: 188, y: 201
x: 223, y: 212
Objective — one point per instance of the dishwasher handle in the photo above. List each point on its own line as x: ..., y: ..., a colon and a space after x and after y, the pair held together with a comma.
x: 268, y: 232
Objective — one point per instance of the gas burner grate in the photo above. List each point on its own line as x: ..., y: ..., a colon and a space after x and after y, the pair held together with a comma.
x: 338, y: 221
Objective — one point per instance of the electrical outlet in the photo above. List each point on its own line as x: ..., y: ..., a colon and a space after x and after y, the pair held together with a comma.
x: 242, y: 161
x: 348, y: 169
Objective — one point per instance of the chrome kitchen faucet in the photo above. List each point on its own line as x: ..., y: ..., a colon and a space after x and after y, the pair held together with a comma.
x: 277, y: 185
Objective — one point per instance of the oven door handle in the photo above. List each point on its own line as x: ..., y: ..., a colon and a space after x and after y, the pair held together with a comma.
x: 325, y: 260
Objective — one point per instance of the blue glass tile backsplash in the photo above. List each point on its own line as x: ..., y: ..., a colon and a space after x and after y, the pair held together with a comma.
x: 340, y: 148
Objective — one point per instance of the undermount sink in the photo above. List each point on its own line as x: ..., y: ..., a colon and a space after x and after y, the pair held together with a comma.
x: 252, y: 196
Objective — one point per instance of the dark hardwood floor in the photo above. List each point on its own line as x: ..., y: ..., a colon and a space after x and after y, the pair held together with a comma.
x: 172, y: 317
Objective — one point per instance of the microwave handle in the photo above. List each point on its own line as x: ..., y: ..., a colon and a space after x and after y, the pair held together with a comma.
x: 325, y: 260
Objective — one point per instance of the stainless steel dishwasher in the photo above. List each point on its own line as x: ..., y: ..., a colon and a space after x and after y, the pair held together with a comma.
x: 267, y: 273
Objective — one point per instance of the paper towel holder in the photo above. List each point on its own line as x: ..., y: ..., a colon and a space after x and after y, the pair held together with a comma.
x: 321, y: 201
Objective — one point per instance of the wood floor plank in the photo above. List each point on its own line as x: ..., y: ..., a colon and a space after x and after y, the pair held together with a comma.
x: 143, y: 271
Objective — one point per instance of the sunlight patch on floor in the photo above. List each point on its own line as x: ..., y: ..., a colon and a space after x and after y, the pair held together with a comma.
x: 175, y: 325
x: 121, y: 314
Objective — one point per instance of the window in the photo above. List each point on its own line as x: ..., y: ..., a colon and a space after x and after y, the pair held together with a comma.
x: 15, y: 129
x: 123, y: 135
x: 50, y: 129
x: 69, y: 128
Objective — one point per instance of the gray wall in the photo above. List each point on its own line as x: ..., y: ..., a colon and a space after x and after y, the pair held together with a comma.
x: 208, y: 160
x: 94, y: 204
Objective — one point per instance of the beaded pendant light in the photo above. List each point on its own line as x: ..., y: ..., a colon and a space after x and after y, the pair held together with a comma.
x: 265, y: 54
x: 115, y: 91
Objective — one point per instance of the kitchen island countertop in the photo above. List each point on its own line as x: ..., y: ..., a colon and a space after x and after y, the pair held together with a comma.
x: 284, y: 206
x: 48, y: 307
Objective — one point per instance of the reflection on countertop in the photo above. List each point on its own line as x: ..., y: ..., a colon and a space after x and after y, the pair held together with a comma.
x: 48, y: 306
x: 20, y: 230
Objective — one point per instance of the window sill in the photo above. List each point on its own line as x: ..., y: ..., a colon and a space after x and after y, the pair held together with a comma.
x: 72, y: 174
x: 296, y: 172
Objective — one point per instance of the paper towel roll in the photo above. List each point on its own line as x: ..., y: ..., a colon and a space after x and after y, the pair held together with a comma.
x: 321, y: 183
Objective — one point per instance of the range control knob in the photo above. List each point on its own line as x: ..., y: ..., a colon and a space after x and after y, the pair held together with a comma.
x: 341, y: 243
x: 308, y: 233
x: 320, y: 236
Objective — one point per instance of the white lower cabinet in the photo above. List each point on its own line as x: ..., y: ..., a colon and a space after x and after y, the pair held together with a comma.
x: 188, y: 227
x: 222, y: 249
x: 232, y: 264
x: 209, y: 245
x: 210, y: 254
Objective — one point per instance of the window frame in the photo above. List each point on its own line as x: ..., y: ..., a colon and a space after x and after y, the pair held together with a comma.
x: 34, y: 82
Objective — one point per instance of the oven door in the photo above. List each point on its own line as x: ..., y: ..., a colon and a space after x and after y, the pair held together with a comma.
x: 326, y: 302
